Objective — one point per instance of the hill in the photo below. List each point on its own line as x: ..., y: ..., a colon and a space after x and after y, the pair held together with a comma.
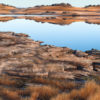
x: 6, y: 9
x: 54, y: 9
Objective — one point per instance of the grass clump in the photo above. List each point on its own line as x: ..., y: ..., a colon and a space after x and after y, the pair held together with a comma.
x: 47, y: 89
x: 44, y: 92
x: 61, y: 84
x: 91, y: 91
x: 6, y: 94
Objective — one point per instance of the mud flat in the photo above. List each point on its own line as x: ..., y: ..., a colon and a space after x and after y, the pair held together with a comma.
x: 21, y: 56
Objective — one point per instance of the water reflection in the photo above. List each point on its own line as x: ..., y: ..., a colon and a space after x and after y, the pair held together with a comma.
x: 61, y: 20
x: 78, y: 35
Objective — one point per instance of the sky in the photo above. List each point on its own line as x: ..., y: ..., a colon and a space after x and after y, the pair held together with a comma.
x: 31, y: 3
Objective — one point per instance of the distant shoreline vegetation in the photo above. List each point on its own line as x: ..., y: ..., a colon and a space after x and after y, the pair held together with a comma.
x: 92, y: 6
x: 59, y: 4
x: 56, y: 4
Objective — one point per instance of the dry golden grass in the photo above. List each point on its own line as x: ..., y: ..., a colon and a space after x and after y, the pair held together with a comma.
x: 6, y: 81
x: 62, y: 85
x: 9, y: 95
x: 62, y: 96
x: 44, y: 92
x: 41, y: 92
x: 50, y: 90
x: 96, y: 96
x: 34, y: 96
x: 91, y: 91
x: 10, y: 81
x: 25, y: 92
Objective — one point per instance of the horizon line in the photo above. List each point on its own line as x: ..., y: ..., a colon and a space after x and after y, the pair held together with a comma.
x: 48, y: 5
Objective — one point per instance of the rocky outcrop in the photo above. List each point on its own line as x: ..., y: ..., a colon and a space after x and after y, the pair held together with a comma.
x: 80, y: 53
x: 22, y: 56
x: 96, y: 62
x: 93, y: 52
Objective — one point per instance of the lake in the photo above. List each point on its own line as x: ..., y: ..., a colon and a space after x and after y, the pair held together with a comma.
x: 77, y: 35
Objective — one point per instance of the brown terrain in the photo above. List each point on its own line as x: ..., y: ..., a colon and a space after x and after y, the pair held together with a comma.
x: 55, y: 9
x: 25, y: 57
x: 31, y: 71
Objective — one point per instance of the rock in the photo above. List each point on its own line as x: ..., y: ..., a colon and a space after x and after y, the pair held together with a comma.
x: 93, y: 52
x: 80, y: 53
x: 20, y: 34
x: 96, y: 66
x: 61, y: 75
x: 22, y: 56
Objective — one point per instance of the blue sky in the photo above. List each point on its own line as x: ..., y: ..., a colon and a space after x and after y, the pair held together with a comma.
x: 30, y: 3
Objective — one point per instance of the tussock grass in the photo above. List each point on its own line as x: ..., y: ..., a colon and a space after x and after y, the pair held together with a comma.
x: 44, y: 92
x: 96, y: 96
x: 34, y: 96
x: 62, y: 85
x: 49, y: 89
x: 91, y: 91
x: 6, y: 94
x: 41, y: 92
x: 9, y: 81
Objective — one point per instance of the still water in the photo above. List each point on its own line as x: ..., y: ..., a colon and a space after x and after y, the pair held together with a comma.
x: 78, y: 35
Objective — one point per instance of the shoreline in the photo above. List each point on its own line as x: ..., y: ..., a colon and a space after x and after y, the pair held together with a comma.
x: 26, y: 57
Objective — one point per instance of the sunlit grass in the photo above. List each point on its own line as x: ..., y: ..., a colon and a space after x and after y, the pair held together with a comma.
x: 91, y: 91
x: 49, y: 89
